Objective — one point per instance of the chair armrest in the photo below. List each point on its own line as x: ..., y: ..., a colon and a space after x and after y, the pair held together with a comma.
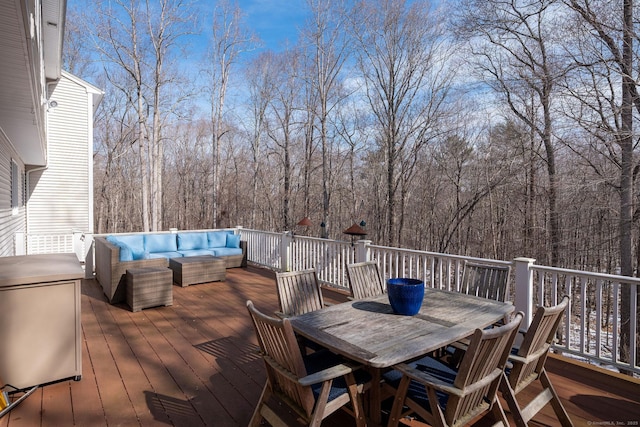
x: 331, y: 373
x: 530, y: 358
x: 423, y: 377
x: 446, y: 387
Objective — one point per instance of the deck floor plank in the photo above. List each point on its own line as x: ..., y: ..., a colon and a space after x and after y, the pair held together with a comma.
x: 195, y: 364
x: 112, y: 363
x: 191, y: 371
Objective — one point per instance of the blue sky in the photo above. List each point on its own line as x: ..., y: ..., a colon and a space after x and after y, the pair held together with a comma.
x: 275, y: 21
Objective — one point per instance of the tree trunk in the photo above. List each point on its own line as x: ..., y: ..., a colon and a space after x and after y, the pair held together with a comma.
x: 626, y: 180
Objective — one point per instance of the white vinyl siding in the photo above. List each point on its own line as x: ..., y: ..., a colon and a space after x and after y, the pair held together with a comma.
x: 15, y: 187
x: 59, y: 195
x: 12, y: 220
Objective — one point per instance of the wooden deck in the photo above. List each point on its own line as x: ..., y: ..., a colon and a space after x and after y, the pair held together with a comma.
x: 194, y: 364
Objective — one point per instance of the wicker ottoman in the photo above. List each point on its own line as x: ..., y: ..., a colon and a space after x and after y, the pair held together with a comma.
x: 149, y: 287
x: 197, y: 269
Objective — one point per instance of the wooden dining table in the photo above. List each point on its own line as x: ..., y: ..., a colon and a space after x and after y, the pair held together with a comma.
x: 367, y: 330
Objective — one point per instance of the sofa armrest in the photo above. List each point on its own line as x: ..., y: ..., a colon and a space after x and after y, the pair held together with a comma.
x: 243, y: 246
x: 110, y: 271
x: 106, y: 255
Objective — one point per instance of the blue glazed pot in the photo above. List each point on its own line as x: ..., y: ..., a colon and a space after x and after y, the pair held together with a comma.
x: 405, y: 295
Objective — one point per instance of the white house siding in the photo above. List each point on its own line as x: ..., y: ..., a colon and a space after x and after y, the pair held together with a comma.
x: 11, y: 221
x: 60, y: 195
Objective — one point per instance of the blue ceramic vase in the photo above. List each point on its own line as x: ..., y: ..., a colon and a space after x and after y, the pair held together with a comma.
x: 405, y: 295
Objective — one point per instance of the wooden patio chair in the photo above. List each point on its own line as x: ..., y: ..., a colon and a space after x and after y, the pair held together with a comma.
x: 528, y: 366
x: 486, y: 281
x: 313, y: 386
x: 298, y: 292
x: 442, y: 396
x: 364, y: 280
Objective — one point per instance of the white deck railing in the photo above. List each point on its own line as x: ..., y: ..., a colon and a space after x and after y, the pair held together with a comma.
x: 591, y: 328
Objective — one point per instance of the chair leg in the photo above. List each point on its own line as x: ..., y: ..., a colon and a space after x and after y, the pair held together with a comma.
x: 438, y: 419
x: 256, y: 418
x: 321, y: 404
x: 510, y: 397
x: 499, y: 417
x: 561, y: 413
x: 356, y: 403
x: 398, y: 402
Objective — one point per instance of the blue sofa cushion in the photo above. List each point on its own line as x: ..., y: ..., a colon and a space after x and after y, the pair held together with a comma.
x: 217, y: 239
x: 190, y: 241
x: 198, y: 252
x: 125, y: 251
x: 153, y: 255
x: 227, y: 251
x: 135, y: 242
x: 233, y: 241
x: 160, y: 243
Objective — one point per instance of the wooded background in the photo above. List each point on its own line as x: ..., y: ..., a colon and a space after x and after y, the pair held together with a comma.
x: 478, y: 127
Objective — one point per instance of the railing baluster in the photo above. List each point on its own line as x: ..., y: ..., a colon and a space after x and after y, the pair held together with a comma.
x: 598, y: 317
x: 616, y: 322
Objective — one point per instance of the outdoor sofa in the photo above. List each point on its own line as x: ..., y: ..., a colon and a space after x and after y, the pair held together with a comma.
x: 117, y: 253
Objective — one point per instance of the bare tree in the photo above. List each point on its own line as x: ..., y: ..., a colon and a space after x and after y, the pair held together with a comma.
x: 136, y: 43
x: 284, y: 125
x: 166, y: 24
x: 401, y: 57
x: 515, y: 40
x: 229, y: 38
x: 326, y: 36
x: 616, y: 39
x: 260, y: 81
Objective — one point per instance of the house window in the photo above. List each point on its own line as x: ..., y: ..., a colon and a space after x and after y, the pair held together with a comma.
x: 15, y: 187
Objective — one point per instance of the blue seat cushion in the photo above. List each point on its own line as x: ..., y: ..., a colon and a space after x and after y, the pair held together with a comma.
x: 217, y: 239
x: 417, y: 391
x: 227, y: 251
x: 323, y: 359
x: 198, y: 252
x: 160, y: 243
x: 190, y: 241
x: 172, y: 254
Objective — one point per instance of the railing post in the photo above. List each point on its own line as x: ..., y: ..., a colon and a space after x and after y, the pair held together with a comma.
x: 18, y: 244
x: 285, y: 251
x: 88, y: 256
x: 362, y: 250
x: 77, y: 243
x: 524, y: 289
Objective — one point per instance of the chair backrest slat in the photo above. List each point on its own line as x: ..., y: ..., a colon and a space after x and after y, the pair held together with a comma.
x: 299, y: 292
x: 365, y: 280
x: 486, y: 281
